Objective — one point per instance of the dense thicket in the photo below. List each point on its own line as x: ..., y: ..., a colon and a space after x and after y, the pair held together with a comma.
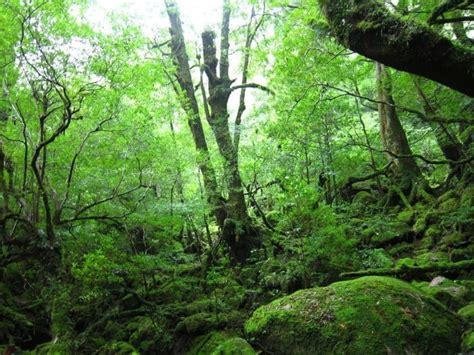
x: 164, y: 194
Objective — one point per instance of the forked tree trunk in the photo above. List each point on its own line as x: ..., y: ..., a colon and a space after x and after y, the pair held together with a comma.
x: 238, y: 230
x: 187, y: 96
x: 231, y: 214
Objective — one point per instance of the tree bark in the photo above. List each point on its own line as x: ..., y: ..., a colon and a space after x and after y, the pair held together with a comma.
x: 4, y: 192
x: 370, y: 29
x: 238, y: 230
x: 392, y: 134
x: 445, y: 137
x: 231, y: 214
x: 191, y: 107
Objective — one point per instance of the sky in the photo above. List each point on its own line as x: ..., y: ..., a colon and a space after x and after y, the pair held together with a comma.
x: 197, y: 15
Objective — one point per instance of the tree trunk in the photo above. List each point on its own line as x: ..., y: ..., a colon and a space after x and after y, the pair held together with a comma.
x: 370, y: 29
x: 4, y: 192
x: 238, y: 230
x: 393, y: 136
x: 190, y: 106
x: 445, y: 137
x: 231, y: 214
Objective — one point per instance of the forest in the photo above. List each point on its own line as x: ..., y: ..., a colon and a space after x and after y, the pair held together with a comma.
x: 237, y: 177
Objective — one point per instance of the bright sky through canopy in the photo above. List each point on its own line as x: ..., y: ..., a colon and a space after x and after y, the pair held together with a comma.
x: 197, y: 15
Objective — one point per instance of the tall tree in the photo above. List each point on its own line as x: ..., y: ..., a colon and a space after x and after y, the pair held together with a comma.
x: 187, y: 95
x: 236, y: 225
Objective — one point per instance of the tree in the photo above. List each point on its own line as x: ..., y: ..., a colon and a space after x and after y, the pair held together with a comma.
x: 231, y: 214
x: 369, y: 28
x: 394, y: 139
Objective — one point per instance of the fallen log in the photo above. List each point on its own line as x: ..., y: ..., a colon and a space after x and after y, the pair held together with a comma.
x: 409, y: 273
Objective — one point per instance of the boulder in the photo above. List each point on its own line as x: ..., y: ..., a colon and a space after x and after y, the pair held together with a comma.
x: 221, y: 343
x: 369, y: 315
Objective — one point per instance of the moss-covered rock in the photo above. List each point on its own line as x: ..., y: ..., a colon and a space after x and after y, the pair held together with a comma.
x: 454, y: 239
x: 389, y: 233
x: 452, y: 294
x: 406, y: 216
x: 467, y: 197
x: 366, y: 315
x: 430, y: 258
x: 199, y: 323
x: 400, y: 249
x: 468, y: 342
x: 467, y: 312
x: 221, y: 343
x: 420, y: 224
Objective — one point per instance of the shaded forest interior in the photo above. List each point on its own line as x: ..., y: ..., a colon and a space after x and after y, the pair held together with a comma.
x: 294, y: 178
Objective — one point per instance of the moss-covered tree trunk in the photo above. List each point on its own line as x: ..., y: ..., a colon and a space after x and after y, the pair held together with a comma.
x: 231, y: 214
x: 191, y: 107
x: 393, y: 136
x: 238, y: 231
x: 370, y: 29
x: 445, y: 136
x: 4, y: 194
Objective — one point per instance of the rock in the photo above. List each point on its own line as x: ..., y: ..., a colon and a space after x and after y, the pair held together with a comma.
x: 437, y: 281
x: 199, y: 323
x: 468, y: 342
x: 367, y: 315
x: 467, y: 312
x: 452, y: 294
x: 221, y: 343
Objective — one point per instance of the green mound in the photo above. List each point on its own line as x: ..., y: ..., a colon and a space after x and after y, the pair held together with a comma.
x: 367, y: 315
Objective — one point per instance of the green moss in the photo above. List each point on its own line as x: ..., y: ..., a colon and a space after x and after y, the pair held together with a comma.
x: 199, y: 323
x: 433, y: 232
x: 454, y: 239
x: 353, y: 317
x: 363, y: 198
x: 467, y: 312
x: 406, y: 262
x: 468, y: 342
x: 451, y: 194
x: 466, y: 253
x: 390, y: 232
x: 452, y: 294
x: 118, y: 348
x: 406, y: 216
x: 420, y: 224
x: 221, y: 343
x: 431, y: 257
x: 400, y: 249
x: 449, y: 205
x: 234, y: 346
x: 467, y: 197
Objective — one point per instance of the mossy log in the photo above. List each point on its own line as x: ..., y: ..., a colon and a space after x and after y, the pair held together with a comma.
x: 415, y: 272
